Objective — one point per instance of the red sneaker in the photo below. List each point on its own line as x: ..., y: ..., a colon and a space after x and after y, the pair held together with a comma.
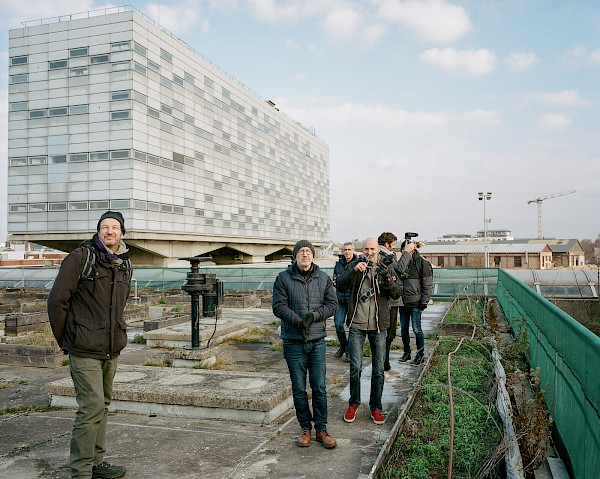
x: 377, y: 417
x: 350, y: 415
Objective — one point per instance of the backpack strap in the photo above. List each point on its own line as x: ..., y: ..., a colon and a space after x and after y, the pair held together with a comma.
x: 87, y: 269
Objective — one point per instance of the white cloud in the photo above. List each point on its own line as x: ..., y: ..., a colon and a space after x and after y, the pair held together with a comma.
x: 467, y: 62
x: 179, y: 17
x: 434, y: 21
x: 554, y: 122
x: 44, y: 9
x: 520, y: 61
x: 272, y: 11
x: 584, y: 56
x: 561, y: 99
x: 342, y: 23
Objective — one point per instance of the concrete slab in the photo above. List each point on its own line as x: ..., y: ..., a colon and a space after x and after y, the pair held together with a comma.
x: 195, y: 393
x: 180, y: 335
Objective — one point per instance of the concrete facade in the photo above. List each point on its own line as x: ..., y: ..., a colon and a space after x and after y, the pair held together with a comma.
x: 113, y: 112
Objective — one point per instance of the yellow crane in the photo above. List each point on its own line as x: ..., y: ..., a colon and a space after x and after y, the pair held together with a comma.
x: 539, y: 207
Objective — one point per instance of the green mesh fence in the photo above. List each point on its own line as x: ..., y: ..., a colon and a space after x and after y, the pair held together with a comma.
x: 568, y: 356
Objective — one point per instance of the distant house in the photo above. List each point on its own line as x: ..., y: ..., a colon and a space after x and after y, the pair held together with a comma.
x: 566, y: 253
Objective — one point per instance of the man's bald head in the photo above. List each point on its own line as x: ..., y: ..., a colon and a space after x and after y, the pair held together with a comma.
x: 371, y: 249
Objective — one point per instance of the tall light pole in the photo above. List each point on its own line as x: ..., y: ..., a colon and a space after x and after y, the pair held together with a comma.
x: 485, y: 197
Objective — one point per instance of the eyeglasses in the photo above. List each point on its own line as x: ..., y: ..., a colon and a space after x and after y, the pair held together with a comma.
x: 347, y: 249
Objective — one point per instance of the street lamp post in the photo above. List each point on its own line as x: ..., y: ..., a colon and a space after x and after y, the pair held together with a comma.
x: 485, y: 197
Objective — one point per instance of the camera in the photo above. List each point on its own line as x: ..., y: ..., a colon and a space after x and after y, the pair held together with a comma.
x: 409, y: 235
x: 368, y: 294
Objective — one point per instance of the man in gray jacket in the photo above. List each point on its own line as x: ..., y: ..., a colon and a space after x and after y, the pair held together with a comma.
x: 303, y: 298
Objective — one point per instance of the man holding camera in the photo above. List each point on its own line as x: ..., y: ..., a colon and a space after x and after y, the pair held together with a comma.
x: 417, y: 285
x: 372, y: 281
x: 303, y: 298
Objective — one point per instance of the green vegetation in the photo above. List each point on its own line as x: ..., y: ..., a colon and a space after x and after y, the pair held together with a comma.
x: 162, y: 363
x: 256, y: 335
x: 25, y: 409
x: 465, y: 311
x: 139, y: 339
x: 177, y: 308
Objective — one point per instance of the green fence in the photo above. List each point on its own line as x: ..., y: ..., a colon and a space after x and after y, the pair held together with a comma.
x: 568, y: 356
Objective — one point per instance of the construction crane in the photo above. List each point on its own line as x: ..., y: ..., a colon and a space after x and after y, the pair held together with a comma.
x: 539, y: 207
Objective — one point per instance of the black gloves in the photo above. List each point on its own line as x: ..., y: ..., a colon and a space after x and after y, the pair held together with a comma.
x: 383, y: 272
x: 422, y: 306
x: 312, y: 317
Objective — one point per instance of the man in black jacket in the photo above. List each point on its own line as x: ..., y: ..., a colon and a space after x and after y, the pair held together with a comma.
x: 339, y: 318
x: 303, y: 298
x: 371, y: 281
x: 417, y: 285
x: 86, y: 316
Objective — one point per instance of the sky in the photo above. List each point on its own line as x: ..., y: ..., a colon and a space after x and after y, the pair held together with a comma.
x: 423, y: 103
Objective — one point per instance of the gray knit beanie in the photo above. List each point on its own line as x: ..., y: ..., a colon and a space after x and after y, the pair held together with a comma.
x: 115, y: 215
x: 302, y: 244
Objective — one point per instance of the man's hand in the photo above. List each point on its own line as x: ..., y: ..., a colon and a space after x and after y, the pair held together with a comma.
x: 312, y: 317
x: 410, y: 247
x: 360, y: 267
x: 302, y: 326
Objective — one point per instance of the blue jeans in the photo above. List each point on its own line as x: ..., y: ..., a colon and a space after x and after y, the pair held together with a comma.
x: 356, y: 339
x: 302, y: 358
x: 339, y: 319
x: 414, y: 315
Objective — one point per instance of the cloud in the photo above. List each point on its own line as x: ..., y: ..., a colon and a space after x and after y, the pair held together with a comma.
x: 554, y: 122
x: 467, y: 62
x: 520, y: 61
x: 435, y: 21
x: 561, y: 99
x: 271, y: 11
x: 584, y: 56
x: 342, y: 23
x: 179, y: 17
x: 43, y: 9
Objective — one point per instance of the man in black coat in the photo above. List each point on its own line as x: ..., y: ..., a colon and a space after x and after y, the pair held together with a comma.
x: 348, y: 255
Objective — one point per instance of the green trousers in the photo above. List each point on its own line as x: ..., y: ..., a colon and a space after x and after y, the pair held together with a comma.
x: 93, y: 380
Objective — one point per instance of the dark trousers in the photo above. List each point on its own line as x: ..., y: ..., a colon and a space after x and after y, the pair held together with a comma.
x: 391, y: 332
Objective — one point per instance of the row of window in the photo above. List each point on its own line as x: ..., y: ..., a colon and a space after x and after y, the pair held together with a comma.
x: 69, y: 206
x: 71, y: 158
x: 76, y: 53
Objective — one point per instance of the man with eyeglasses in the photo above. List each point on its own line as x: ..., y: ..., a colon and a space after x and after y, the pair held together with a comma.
x: 303, y: 298
x: 85, y: 308
x: 348, y: 255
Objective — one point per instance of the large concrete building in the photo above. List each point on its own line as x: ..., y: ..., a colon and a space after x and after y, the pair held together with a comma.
x: 110, y: 111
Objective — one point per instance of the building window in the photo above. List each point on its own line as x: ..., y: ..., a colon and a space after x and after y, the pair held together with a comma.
x: 120, y: 46
x: 178, y: 79
x: 139, y: 68
x: 120, y: 66
x: 137, y: 96
x: 79, y: 71
x: 19, y: 106
x: 38, y: 113
x: 62, y: 206
x: 78, y: 52
x: 117, y: 204
x: 56, y: 159
x: 37, y: 160
x: 139, y: 204
x: 458, y: 261
x: 166, y: 109
x: 37, y: 207
x: 62, y: 111
x: 119, y: 154
x: 165, y: 55
x: 120, y: 115
x: 518, y: 262
x: 78, y: 157
x: 153, y: 206
x: 18, y: 208
x: 154, y: 160
x: 178, y: 210
x: 23, y: 78
x: 166, y: 82
x: 139, y: 155
x: 166, y: 208
x: 99, y: 156
x: 99, y: 205
x: 20, y: 161
x: 177, y: 105
x: 497, y: 260
x: 440, y: 261
x: 58, y: 64
x: 153, y: 113
x: 188, y: 78
x: 20, y: 60
x: 78, y: 110
x: 120, y: 95
x: 140, y: 49
x: 153, y: 66
x: 99, y: 58
x: 78, y: 205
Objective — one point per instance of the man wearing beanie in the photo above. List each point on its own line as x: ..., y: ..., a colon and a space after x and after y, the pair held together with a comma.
x: 303, y: 298
x: 85, y: 308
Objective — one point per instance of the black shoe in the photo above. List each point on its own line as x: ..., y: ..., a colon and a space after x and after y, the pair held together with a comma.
x: 387, y: 366
x: 340, y: 352
x: 104, y: 470
x: 405, y: 357
x: 419, y: 358
x: 347, y: 357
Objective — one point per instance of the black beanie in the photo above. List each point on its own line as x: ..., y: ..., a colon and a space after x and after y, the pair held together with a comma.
x: 302, y: 244
x: 114, y: 215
